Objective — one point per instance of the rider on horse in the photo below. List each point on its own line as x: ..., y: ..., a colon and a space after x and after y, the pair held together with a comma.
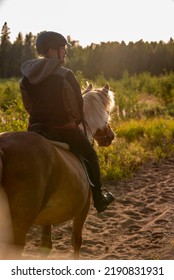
x: 53, y: 100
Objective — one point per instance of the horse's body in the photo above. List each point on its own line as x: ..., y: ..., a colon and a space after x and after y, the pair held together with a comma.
x: 40, y: 184
x: 43, y: 186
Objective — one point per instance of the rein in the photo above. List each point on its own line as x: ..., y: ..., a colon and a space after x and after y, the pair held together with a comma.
x: 84, y: 123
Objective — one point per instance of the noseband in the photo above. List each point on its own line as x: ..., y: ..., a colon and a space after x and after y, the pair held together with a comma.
x: 104, y: 136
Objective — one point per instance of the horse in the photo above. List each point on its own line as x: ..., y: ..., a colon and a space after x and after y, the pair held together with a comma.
x: 43, y: 184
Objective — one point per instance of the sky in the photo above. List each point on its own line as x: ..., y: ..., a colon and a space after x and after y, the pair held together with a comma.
x: 91, y: 21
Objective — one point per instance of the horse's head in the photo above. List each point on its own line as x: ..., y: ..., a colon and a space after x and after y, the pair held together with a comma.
x: 104, y: 136
x: 98, y: 104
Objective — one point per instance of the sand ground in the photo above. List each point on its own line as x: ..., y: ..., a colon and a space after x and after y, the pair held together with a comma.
x: 139, y: 224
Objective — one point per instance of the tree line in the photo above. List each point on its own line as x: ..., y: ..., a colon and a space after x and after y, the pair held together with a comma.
x: 111, y: 59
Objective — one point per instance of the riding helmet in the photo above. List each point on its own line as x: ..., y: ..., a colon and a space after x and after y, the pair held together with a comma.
x: 49, y: 39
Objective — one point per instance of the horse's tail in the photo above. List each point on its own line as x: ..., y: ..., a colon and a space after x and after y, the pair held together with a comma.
x: 6, y: 230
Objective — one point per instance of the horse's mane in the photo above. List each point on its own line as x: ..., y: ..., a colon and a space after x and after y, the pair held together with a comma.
x: 98, y: 103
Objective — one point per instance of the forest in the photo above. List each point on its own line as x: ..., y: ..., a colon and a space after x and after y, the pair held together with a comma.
x: 110, y: 59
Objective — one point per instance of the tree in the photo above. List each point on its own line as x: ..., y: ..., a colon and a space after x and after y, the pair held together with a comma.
x: 5, y: 49
x: 17, y: 55
x: 29, y: 49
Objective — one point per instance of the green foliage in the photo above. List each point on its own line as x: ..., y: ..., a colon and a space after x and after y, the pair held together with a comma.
x: 13, y: 118
x: 166, y: 84
x: 131, y: 130
x: 81, y: 79
x: 9, y: 91
x: 136, y: 141
x: 12, y: 114
x: 13, y: 54
x: 121, y: 159
x: 142, y: 96
x: 143, y: 122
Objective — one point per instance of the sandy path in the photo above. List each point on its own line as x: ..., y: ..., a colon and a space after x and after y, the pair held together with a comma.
x: 138, y: 225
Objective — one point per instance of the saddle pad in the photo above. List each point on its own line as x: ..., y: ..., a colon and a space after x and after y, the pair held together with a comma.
x: 60, y: 144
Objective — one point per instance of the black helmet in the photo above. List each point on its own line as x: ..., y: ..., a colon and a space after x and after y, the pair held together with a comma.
x: 49, y: 39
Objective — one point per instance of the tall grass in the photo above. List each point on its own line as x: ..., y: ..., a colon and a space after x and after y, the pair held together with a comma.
x: 12, y: 114
x: 136, y: 142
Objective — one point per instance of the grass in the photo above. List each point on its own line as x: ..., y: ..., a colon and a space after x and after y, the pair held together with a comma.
x: 136, y: 142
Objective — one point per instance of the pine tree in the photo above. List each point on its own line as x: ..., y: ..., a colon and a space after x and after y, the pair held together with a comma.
x: 29, y: 49
x: 17, y: 55
x: 5, y: 49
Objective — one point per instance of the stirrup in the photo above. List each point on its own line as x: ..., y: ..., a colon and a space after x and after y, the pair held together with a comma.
x: 108, y: 196
x: 104, y: 201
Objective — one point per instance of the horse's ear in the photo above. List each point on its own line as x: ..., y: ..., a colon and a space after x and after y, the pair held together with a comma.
x: 89, y: 88
x: 106, y: 88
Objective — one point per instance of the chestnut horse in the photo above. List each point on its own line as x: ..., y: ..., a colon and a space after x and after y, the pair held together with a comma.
x: 43, y: 184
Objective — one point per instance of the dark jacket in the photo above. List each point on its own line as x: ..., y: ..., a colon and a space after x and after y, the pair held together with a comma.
x: 50, y: 93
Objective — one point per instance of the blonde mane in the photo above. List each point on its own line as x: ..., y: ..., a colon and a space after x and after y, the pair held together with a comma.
x: 98, y: 103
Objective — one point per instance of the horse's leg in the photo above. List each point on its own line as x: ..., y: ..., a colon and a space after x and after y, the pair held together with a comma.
x: 6, y: 227
x: 19, y: 239
x: 78, y: 223
x: 46, y: 242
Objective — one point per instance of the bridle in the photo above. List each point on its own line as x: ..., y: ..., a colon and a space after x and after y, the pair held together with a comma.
x: 107, y: 128
x: 109, y: 134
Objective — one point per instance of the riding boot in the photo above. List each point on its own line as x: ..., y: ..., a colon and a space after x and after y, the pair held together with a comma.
x: 101, y: 201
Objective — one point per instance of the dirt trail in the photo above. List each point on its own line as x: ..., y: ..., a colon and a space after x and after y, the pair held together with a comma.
x: 138, y: 225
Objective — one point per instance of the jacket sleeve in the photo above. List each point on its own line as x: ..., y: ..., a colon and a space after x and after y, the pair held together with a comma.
x: 25, y: 96
x: 77, y: 91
